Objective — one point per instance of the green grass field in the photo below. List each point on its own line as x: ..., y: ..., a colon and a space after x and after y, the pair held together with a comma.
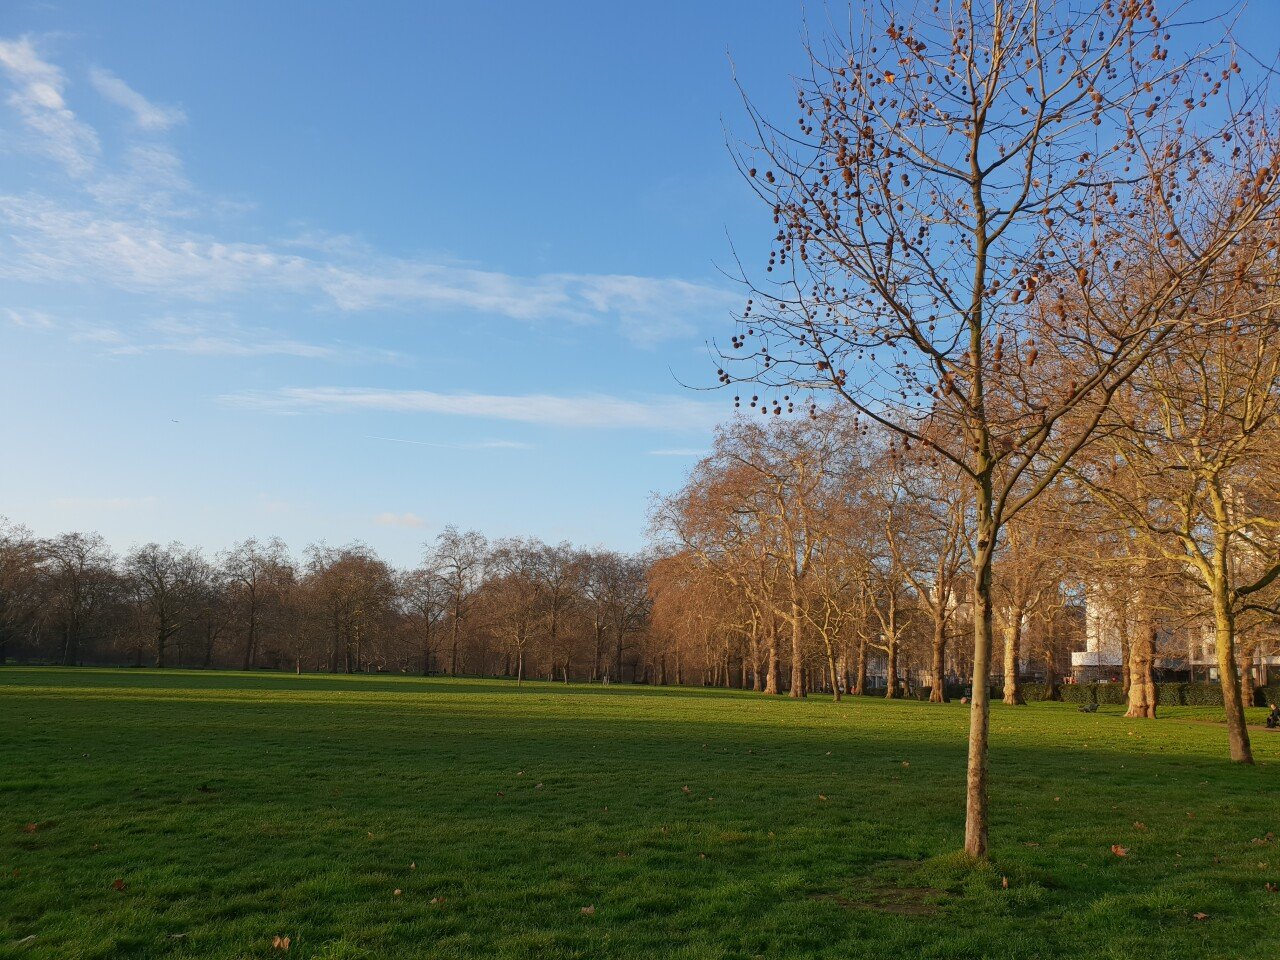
x: 382, y: 817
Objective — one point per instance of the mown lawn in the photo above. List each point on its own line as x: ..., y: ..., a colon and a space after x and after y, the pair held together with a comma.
x: 382, y: 817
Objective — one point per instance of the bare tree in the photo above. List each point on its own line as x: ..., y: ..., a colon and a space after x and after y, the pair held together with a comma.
x: 425, y: 596
x: 258, y: 574
x: 458, y: 558
x: 1190, y: 461
x: 165, y: 581
x: 963, y: 194
x: 81, y: 581
x: 20, y: 593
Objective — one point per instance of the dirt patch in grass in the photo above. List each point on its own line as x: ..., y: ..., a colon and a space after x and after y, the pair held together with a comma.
x: 907, y: 901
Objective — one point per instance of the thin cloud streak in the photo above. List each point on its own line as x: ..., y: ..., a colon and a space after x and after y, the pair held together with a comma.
x: 147, y: 115
x: 589, y: 411
x: 477, y: 445
x: 410, y: 520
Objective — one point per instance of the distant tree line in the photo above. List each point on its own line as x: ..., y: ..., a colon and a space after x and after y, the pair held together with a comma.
x: 511, y: 607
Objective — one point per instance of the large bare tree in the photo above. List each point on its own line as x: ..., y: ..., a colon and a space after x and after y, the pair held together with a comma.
x: 967, y: 190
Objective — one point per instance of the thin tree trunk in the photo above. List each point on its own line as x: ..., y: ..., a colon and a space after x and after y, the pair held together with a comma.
x: 1224, y: 643
x: 860, y: 676
x: 891, y: 665
x: 835, y: 676
x: 797, y: 663
x: 938, y: 693
x: 976, y: 810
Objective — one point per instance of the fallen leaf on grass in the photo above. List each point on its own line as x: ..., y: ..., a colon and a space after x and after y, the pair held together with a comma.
x: 685, y: 789
x: 906, y: 763
x: 588, y: 911
x: 822, y: 796
x: 30, y: 828
x: 1200, y: 916
x: 26, y: 939
x: 537, y: 786
x: 437, y: 899
x: 1272, y: 888
x: 1139, y: 825
x: 280, y: 943
x: 118, y: 883
x: 1119, y: 851
x: 396, y: 892
x: 501, y: 794
x: 1004, y: 883
x: 413, y: 866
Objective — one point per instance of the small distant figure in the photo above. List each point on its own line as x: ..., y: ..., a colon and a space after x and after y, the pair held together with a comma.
x: 1088, y: 708
x: 964, y: 699
x: 1273, y: 718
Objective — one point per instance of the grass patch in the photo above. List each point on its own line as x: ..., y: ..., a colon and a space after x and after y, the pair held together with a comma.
x: 235, y: 808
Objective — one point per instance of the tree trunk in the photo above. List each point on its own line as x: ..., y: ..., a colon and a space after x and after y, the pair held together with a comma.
x: 1142, y: 683
x: 835, y: 675
x: 1012, y: 650
x: 797, y: 663
x: 860, y: 677
x: 891, y: 665
x: 1224, y: 644
x: 1125, y: 678
x: 251, y: 642
x: 938, y: 693
x: 771, y: 681
x: 976, y: 811
x: 1247, y: 691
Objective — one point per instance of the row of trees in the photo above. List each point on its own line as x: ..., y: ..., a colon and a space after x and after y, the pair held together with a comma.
x: 811, y: 555
x: 513, y: 607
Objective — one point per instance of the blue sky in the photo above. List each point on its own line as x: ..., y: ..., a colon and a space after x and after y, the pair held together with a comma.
x: 337, y: 271
x: 239, y: 241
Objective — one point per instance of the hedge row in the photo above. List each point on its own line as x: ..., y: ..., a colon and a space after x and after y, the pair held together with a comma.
x: 1109, y: 694
x: 1167, y: 694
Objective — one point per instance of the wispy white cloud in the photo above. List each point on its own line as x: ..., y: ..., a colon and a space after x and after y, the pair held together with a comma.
x: 32, y: 319
x: 590, y: 410
x: 53, y: 242
x: 228, y: 339
x: 147, y: 115
x: 38, y: 88
x: 399, y: 520
x: 470, y: 445
x: 130, y: 224
x: 104, y: 503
